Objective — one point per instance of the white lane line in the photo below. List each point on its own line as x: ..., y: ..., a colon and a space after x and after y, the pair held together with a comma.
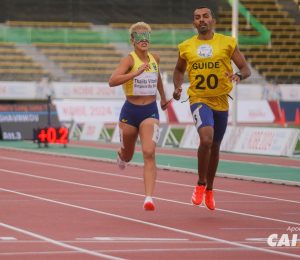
x: 246, y: 228
x: 142, y: 250
x: 257, y: 239
x: 134, y: 239
x: 138, y: 178
x: 58, y: 243
x: 176, y: 230
x: 86, y: 241
x: 258, y: 179
x: 142, y: 195
x: 7, y: 239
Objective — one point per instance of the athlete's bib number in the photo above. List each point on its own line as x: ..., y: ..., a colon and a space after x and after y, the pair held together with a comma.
x: 211, y: 81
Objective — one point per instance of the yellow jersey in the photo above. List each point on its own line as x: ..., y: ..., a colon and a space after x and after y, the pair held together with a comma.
x: 146, y: 83
x: 208, y: 61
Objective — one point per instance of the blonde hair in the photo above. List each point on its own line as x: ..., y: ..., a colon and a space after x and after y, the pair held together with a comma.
x: 139, y: 26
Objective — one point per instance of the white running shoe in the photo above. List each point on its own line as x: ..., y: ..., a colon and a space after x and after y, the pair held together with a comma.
x: 122, y: 164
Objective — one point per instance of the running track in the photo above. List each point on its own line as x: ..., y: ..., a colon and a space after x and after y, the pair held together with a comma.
x: 55, y: 207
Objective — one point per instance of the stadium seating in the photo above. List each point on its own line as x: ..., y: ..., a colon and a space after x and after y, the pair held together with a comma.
x: 278, y: 62
x: 84, y: 62
x: 284, y: 44
x: 15, y: 65
x: 154, y: 26
x: 95, y: 61
x: 168, y: 57
x: 48, y: 24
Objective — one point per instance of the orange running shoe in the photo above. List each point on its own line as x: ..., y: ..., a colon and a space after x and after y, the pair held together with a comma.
x: 198, y: 195
x: 209, y: 200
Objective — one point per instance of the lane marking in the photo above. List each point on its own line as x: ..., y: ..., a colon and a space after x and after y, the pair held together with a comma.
x: 187, y: 241
x: 246, y: 228
x: 138, y: 178
x: 143, y: 250
x: 36, y: 253
x: 58, y: 243
x: 258, y: 179
x: 139, y: 239
x: 257, y: 239
x: 141, y: 195
x: 176, y: 230
x: 8, y: 239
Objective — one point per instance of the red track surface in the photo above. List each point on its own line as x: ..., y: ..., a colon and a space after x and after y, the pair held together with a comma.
x: 66, y: 208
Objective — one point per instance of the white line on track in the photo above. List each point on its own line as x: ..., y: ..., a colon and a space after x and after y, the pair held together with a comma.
x: 255, y: 228
x: 142, y: 195
x: 138, y: 239
x: 87, y: 241
x: 58, y: 243
x: 176, y: 230
x: 137, y: 178
x: 143, y: 250
x: 5, y: 239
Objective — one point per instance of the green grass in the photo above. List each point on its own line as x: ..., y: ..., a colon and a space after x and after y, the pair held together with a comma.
x: 110, y: 131
x: 178, y: 133
x: 298, y: 144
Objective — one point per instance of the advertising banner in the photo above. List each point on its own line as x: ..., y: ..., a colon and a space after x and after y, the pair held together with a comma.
x: 251, y: 140
x: 17, y: 90
x: 86, y: 90
x: 267, y: 140
x: 18, y: 121
x: 106, y: 111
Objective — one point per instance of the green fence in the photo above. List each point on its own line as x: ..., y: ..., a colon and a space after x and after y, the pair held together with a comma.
x: 106, y: 35
x: 33, y: 35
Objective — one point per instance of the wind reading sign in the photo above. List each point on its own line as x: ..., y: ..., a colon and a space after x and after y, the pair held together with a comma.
x: 51, y: 135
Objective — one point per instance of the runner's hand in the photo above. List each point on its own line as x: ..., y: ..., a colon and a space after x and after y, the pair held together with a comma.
x: 142, y: 68
x: 177, y: 93
x: 233, y: 77
x: 164, y: 104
